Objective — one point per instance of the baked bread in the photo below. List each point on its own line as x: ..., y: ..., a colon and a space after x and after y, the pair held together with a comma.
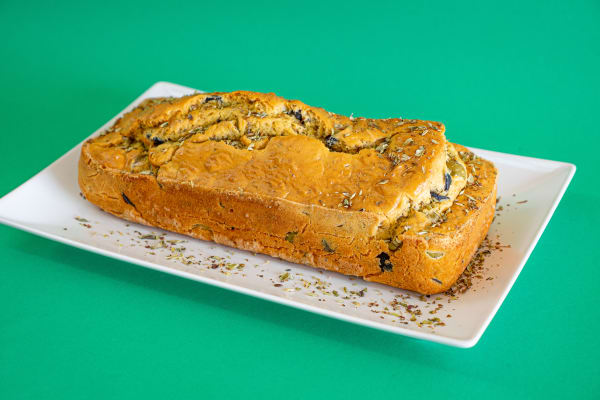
x: 387, y: 200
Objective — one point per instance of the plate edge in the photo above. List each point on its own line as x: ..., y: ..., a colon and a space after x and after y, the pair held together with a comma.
x: 456, y: 342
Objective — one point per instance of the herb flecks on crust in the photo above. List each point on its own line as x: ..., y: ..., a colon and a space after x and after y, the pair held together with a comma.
x: 245, y: 141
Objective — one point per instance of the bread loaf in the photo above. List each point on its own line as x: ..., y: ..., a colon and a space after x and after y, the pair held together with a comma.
x: 387, y: 200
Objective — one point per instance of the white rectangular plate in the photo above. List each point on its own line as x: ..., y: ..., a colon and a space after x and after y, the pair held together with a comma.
x: 50, y: 205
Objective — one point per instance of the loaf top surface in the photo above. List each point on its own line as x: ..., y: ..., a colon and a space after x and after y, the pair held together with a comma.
x: 266, y: 145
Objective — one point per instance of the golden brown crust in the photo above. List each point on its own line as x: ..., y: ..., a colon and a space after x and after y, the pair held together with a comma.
x: 203, y: 189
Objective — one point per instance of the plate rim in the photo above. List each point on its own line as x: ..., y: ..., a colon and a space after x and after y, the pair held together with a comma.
x: 430, y: 336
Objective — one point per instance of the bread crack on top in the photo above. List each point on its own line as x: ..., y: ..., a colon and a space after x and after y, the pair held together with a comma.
x: 389, y: 200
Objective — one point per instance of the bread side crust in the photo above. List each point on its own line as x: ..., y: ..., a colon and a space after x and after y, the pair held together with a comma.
x: 337, y: 240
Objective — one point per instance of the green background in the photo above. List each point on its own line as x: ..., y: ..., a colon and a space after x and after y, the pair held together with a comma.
x: 516, y: 77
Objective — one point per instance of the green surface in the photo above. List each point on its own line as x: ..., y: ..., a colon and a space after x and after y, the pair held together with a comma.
x: 511, y: 76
